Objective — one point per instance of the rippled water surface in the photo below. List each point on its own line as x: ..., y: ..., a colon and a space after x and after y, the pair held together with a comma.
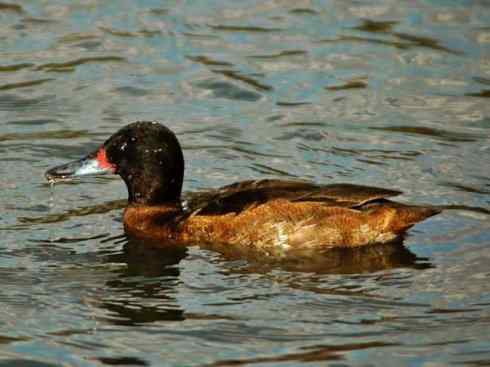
x: 385, y: 93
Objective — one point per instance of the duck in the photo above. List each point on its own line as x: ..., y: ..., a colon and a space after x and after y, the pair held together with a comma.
x: 269, y: 215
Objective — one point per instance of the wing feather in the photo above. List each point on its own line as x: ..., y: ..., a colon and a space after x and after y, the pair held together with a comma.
x: 241, y: 195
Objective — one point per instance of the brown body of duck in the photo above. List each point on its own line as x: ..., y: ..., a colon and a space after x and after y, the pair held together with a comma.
x: 264, y: 214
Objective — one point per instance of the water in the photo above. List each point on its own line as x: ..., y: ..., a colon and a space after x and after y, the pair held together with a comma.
x: 384, y: 93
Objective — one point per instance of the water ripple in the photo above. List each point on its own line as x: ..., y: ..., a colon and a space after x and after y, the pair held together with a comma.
x: 389, y: 94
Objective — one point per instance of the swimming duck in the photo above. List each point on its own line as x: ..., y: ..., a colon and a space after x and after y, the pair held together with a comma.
x: 259, y: 214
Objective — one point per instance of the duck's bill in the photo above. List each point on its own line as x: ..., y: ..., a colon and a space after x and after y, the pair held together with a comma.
x: 86, y: 166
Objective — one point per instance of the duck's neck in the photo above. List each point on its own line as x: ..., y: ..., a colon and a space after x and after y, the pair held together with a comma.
x: 153, y: 195
x: 151, y: 190
x: 152, y: 221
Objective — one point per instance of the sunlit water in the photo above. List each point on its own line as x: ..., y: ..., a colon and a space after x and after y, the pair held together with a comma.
x: 385, y: 93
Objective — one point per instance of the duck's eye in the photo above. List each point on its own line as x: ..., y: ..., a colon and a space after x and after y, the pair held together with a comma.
x: 126, y: 143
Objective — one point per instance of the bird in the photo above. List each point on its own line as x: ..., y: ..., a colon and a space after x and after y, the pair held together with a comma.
x: 269, y: 215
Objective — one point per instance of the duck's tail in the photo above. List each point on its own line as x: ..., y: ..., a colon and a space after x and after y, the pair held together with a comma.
x: 405, y: 216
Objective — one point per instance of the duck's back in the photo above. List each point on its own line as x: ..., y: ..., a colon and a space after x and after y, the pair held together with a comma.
x: 282, y: 215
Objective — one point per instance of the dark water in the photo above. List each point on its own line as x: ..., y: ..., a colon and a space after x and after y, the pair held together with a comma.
x: 385, y: 93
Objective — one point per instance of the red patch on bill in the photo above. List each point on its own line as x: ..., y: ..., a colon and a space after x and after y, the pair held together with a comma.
x: 104, y: 161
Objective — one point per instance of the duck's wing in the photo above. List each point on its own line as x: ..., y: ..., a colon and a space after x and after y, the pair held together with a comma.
x: 246, y: 194
x: 348, y: 195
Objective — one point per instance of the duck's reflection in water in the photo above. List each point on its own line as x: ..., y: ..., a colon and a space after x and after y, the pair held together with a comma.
x: 149, y: 258
x: 156, y: 259
x: 144, y: 290
x: 335, y: 260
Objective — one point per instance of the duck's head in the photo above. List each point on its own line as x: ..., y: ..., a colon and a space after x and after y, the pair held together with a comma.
x: 147, y: 156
